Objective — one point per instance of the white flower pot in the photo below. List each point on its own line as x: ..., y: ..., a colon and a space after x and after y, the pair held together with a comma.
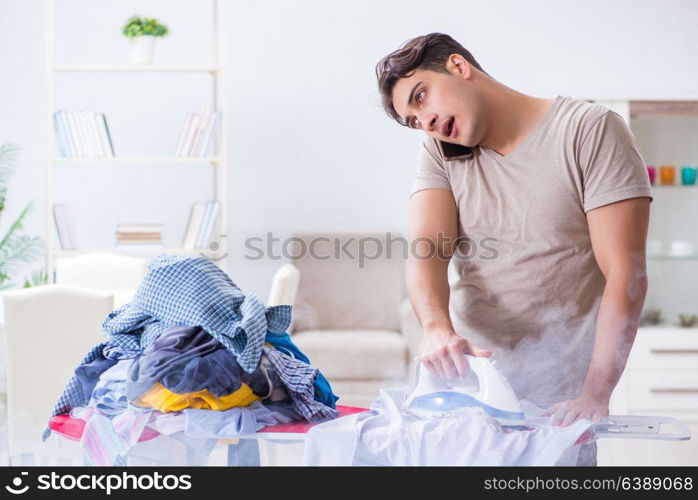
x: 141, y: 49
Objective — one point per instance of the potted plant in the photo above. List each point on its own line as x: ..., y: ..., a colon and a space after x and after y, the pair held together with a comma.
x: 142, y: 33
x: 16, y: 250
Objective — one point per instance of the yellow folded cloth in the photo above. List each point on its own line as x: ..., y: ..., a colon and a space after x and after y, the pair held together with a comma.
x: 161, y: 398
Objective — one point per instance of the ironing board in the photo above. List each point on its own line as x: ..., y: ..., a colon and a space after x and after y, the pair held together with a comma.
x: 245, y: 452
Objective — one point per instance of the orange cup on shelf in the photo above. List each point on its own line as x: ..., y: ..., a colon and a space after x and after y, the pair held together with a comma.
x: 667, y: 175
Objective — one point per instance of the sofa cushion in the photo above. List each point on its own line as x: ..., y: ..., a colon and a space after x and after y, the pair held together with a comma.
x: 348, y: 280
x: 355, y: 354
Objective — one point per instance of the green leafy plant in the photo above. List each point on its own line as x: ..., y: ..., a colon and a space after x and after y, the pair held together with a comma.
x: 140, y: 26
x: 16, y: 249
x: 38, y: 277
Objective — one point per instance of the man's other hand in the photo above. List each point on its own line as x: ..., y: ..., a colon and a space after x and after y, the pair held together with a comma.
x: 593, y: 407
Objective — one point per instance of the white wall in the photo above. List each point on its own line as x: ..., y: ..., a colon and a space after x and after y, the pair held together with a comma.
x: 310, y: 147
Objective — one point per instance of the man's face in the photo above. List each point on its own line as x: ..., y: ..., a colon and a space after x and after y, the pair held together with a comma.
x: 446, y: 106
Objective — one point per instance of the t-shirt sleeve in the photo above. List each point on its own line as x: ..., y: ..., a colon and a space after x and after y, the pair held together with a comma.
x: 611, y: 165
x: 430, y: 169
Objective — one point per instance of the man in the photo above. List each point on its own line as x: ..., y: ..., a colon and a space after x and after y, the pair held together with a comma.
x: 537, y: 211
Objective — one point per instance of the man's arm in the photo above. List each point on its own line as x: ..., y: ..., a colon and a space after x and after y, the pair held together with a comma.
x: 433, y: 231
x: 618, y: 234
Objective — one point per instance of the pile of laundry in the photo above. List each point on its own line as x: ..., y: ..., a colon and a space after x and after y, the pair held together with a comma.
x: 193, y: 356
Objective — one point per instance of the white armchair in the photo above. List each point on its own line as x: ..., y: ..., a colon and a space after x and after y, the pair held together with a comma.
x: 48, y: 329
x: 113, y: 273
x: 284, y: 286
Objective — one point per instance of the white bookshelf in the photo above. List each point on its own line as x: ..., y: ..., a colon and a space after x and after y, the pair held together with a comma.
x: 218, y: 163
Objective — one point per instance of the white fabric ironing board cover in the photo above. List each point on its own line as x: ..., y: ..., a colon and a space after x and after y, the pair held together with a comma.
x: 387, y: 436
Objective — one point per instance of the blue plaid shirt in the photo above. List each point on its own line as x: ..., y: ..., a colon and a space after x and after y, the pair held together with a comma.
x: 299, y: 377
x: 179, y: 290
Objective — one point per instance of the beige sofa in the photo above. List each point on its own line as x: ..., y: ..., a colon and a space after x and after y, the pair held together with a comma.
x: 352, y: 319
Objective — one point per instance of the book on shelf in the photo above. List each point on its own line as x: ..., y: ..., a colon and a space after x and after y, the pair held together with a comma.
x: 207, y: 133
x: 140, y: 239
x: 209, y: 224
x: 82, y: 134
x: 63, y: 219
x: 106, y: 135
x: 202, y: 221
x: 200, y: 234
x: 183, y: 136
x: 197, y: 135
x: 139, y: 234
x: 84, y: 120
x: 196, y: 215
x: 60, y: 227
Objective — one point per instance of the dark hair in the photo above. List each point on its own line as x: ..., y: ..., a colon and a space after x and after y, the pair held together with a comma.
x: 424, y: 52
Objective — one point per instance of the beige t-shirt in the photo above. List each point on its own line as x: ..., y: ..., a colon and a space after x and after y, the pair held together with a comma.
x: 526, y: 284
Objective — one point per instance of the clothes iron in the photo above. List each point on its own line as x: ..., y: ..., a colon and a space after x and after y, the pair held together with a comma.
x: 484, y: 386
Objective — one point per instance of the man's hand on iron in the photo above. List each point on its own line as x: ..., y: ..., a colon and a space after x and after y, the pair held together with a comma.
x: 587, y: 405
x: 443, y: 352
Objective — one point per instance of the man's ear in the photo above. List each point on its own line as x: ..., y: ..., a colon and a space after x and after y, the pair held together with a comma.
x: 457, y: 65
